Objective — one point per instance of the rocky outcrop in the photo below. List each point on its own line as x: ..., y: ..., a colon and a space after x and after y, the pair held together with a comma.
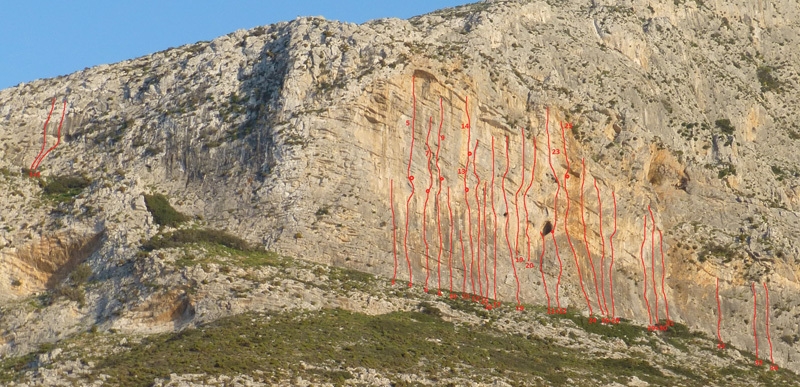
x: 293, y: 135
x: 46, y: 263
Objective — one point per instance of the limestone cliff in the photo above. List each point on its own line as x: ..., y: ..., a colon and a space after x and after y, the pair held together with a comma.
x: 293, y: 135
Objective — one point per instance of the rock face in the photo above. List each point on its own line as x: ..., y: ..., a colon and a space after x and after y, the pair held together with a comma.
x: 298, y: 137
x: 43, y: 265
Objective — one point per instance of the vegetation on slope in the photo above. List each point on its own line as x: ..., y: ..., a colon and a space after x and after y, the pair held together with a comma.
x: 330, y: 342
x: 196, y: 236
x: 63, y: 188
x: 162, y: 211
x: 426, y: 339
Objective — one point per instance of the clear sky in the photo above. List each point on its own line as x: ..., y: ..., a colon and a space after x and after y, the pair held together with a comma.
x: 42, y: 39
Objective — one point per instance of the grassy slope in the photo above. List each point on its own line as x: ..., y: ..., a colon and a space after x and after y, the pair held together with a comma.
x: 436, y: 340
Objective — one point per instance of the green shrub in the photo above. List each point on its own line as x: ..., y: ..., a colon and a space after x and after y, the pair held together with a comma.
x: 767, y: 79
x: 725, y: 125
x: 429, y: 309
x: 780, y: 173
x: 12, y: 368
x: 81, y: 274
x: 678, y: 330
x: 183, y: 237
x: 625, y: 331
x: 152, y: 150
x: 64, y: 188
x: 45, y: 348
x: 728, y: 169
x: 72, y: 293
x: 162, y: 211
x: 788, y: 339
x: 7, y: 172
x: 718, y: 251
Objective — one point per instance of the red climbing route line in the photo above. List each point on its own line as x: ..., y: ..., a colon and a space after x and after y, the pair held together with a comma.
x: 411, y: 181
x: 394, y: 230
x: 508, y: 242
x: 429, y: 154
x: 719, y: 319
x: 603, y: 248
x: 466, y: 194
x: 566, y: 228
x: 485, y: 243
x: 516, y: 194
x: 541, y: 270
x: 58, y: 136
x: 439, y: 180
x: 586, y: 238
x: 478, y: 215
x: 463, y: 262
x: 494, y: 226
x: 663, y: 275
x: 35, y: 162
x: 653, y: 259
x: 644, y: 271
x: 611, y: 266
x: 525, y: 202
x: 555, y: 205
x: 755, y: 336
x: 452, y: 228
x: 560, y: 268
x: 42, y: 153
x: 769, y: 338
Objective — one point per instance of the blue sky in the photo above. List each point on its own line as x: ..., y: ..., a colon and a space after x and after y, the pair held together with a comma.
x: 43, y: 39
